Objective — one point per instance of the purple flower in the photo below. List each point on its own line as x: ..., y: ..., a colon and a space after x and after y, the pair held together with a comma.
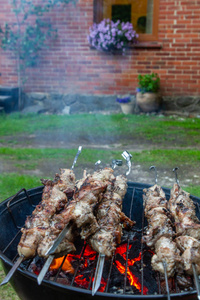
x: 124, y: 100
x: 109, y: 35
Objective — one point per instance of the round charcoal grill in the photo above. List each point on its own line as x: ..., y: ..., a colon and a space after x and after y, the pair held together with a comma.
x: 13, y: 213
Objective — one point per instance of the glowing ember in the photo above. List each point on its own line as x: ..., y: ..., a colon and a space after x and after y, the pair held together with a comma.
x: 134, y: 281
x: 89, y: 252
x: 81, y: 281
x: 83, y: 278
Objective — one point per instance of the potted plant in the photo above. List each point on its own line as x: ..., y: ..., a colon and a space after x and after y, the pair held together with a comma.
x: 110, y: 36
x: 148, y: 98
x: 127, y: 106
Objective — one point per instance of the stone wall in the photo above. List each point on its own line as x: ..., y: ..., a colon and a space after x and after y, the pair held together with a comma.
x: 185, y: 105
x: 74, y: 103
x: 69, y: 103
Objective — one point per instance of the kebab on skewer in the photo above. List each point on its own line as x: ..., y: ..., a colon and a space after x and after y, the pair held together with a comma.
x: 110, y: 218
x: 79, y: 212
x: 160, y: 233
x: 108, y: 215
x: 54, y: 198
x: 187, y: 228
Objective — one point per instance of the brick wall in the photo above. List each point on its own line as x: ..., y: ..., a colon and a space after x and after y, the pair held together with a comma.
x: 71, y: 66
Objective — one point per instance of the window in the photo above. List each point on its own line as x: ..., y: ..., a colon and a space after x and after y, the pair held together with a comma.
x: 143, y: 14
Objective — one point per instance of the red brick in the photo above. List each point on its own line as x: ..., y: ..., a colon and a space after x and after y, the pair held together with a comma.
x: 69, y: 64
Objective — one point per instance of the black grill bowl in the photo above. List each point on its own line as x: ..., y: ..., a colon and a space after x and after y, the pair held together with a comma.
x: 13, y: 213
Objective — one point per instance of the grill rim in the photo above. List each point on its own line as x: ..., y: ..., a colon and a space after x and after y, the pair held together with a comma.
x: 7, y: 263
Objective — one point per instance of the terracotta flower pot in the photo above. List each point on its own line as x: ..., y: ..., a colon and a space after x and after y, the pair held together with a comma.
x: 127, y: 108
x: 148, y: 102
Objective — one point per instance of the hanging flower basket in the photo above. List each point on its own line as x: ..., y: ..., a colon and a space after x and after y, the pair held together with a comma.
x: 110, y: 36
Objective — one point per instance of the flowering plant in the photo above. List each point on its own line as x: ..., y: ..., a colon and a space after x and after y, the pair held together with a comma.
x: 123, y: 100
x: 148, y: 83
x: 109, y: 35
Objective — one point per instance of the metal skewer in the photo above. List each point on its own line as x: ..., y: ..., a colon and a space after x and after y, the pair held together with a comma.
x: 98, y: 273
x: 163, y: 262
x: 166, y: 279
x: 45, y: 268
x: 58, y: 240
x: 12, y: 270
x: 101, y: 257
x: 196, y: 279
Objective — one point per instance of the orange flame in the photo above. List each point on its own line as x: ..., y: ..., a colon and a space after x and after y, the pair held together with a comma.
x: 66, y: 265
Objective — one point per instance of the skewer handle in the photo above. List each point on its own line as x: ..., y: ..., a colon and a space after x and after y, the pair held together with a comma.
x: 116, y: 162
x: 127, y: 156
x: 76, y: 157
x: 176, y: 175
x: 156, y: 174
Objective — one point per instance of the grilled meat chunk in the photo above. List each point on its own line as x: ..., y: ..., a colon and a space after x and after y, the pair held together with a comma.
x: 159, y: 225
x: 53, y: 200
x: 87, y: 197
x: 190, y: 248
x: 66, y: 246
x: 153, y: 197
x: 183, y: 212
x: 109, y: 217
x: 166, y: 251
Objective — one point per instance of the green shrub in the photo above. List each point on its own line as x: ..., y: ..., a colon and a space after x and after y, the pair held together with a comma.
x: 148, y: 83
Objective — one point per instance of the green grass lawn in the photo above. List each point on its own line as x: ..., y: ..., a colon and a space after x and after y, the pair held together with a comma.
x: 164, y: 130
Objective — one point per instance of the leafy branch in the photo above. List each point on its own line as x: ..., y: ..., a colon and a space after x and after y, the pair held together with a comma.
x: 29, y: 34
